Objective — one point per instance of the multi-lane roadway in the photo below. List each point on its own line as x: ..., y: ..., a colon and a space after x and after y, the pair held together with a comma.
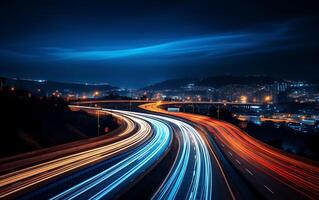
x: 105, y: 171
x: 204, y: 158
x: 273, y: 173
x: 14, y: 182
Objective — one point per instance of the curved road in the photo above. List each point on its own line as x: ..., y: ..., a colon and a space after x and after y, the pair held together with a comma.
x: 111, y: 180
x: 274, y: 173
x: 14, y: 182
x: 190, y: 176
x: 214, y: 159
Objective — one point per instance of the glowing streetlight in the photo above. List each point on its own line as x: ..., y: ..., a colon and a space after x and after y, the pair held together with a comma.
x: 243, y: 99
x: 268, y: 99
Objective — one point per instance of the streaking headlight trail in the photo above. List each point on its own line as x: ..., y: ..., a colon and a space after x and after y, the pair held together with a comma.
x: 192, y: 169
x: 125, y: 171
x: 200, y: 186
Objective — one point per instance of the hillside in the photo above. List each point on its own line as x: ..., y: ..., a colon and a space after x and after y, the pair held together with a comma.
x: 215, y: 81
x: 31, y: 123
x: 34, y: 85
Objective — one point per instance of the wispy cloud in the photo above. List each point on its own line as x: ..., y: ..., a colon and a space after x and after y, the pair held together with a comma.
x: 205, y: 46
x: 197, y: 47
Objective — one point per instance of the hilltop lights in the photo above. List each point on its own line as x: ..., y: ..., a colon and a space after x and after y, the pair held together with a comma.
x: 243, y: 99
x: 96, y: 93
x: 268, y: 99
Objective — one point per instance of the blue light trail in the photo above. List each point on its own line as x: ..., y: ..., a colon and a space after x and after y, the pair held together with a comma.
x: 124, y: 171
x: 193, y: 163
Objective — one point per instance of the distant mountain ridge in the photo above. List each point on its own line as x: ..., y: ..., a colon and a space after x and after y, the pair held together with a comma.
x: 215, y: 81
x: 33, y: 85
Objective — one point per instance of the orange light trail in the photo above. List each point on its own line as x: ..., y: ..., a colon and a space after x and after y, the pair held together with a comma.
x: 19, y: 180
x: 300, y: 175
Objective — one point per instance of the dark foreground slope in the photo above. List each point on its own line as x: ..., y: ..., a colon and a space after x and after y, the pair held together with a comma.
x: 32, y: 122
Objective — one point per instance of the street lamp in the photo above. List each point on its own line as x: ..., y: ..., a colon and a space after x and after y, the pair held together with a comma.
x: 98, y: 120
x: 268, y: 99
x: 96, y: 93
x: 243, y: 99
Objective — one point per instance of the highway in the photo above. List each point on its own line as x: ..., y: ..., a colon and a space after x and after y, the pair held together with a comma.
x: 13, y: 163
x: 105, y: 171
x: 197, y: 173
x: 214, y: 159
x: 88, y: 102
x: 111, y: 180
x: 14, y: 182
x: 190, y: 176
x: 273, y: 173
x: 99, y: 172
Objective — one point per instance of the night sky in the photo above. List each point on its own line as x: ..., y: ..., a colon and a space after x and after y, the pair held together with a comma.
x: 135, y: 43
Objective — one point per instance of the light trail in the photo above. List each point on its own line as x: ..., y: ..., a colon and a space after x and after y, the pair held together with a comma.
x: 154, y: 107
x: 300, y: 177
x: 192, y: 168
x: 193, y: 162
x: 123, y: 172
x: 19, y: 180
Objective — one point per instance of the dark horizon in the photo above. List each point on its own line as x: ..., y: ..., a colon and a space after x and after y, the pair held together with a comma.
x: 310, y: 80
